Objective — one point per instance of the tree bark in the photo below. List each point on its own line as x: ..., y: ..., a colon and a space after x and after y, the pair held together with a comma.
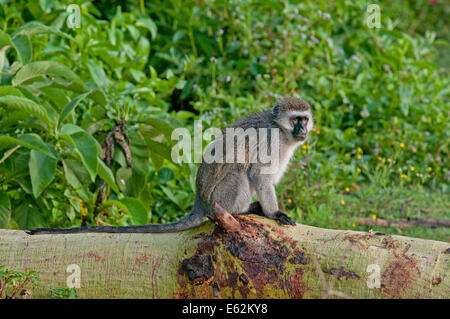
x: 261, y: 260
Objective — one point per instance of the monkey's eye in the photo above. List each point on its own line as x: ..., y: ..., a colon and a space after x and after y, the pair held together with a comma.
x: 304, y: 120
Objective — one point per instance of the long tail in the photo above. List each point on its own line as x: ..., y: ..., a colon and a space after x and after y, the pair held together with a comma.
x: 193, y: 219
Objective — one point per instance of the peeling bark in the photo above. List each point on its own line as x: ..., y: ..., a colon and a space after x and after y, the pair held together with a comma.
x: 260, y: 260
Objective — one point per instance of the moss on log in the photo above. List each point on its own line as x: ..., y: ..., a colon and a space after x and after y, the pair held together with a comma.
x: 261, y: 260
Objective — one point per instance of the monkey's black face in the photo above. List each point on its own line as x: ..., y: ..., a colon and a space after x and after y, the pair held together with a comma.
x: 300, y: 131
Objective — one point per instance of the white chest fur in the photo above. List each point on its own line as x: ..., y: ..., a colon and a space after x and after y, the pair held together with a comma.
x: 285, y: 156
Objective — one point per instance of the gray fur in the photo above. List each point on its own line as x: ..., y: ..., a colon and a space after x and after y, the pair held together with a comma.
x: 232, y: 185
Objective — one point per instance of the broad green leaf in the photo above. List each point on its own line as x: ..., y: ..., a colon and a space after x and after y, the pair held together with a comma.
x: 77, y: 176
x: 149, y: 25
x: 139, y: 213
x: 10, y: 90
x: 42, y: 171
x: 4, y: 39
x: 165, y: 174
x: 58, y: 97
x: 28, y: 106
x: 28, y: 216
x: 49, y: 68
x: 86, y: 146
x: 69, y: 107
x: 160, y: 149
x: 157, y: 160
x: 99, y: 97
x: 161, y: 125
x: 32, y: 28
x: 24, y: 49
x: 123, y: 178
x: 5, y: 209
x: 97, y: 73
x: 31, y: 141
x: 68, y: 129
x: 105, y: 173
x: 3, y: 59
x: 170, y: 195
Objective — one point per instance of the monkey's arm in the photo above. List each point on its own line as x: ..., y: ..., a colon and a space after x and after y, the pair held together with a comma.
x: 268, y: 200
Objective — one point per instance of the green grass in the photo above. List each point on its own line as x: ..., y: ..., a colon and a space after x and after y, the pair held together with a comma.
x: 326, y: 204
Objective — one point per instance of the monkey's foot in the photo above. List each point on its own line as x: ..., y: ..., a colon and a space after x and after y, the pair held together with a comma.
x: 284, y: 219
x: 255, y: 208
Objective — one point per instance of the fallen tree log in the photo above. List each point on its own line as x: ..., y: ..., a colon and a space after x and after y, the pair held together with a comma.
x: 258, y: 259
x: 428, y: 222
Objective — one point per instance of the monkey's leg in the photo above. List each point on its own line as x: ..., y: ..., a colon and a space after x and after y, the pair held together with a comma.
x: 255, y: 208
x: 268, y: 199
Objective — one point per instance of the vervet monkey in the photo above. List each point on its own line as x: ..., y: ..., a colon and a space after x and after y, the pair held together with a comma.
x: 232, y: 184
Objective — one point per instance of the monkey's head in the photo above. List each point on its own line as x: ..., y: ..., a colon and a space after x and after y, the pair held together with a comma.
x: 294, y: 117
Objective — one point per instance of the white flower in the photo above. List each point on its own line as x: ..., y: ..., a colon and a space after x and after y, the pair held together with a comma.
x: 364, y: 113
x: 326, y: 16
x: 228, y: 78
x: 355, y: 58
x: 330, y: 42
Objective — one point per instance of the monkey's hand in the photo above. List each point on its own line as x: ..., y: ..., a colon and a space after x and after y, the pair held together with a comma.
x: 284, y: 219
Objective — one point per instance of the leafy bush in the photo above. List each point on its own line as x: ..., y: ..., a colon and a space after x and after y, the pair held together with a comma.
x: 13, y: 283
x: 380, y: 98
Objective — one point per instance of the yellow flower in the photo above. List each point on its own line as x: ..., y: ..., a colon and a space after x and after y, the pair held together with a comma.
x: 379, y: 158
x: 374, y: 216
x: 353, y: 225
x: 402, y: 145
x: 347, y: 189
x: 430, y: 169
x: 358, y: 156
x: 358, y: 170
x: 388, y: 160
x: 359, y: 149
x: 404, y: 176
x: 289, y: 200
x: 342, y: 202
x: 400, y: 169
x: 412, y: 169
x: 314, y: 195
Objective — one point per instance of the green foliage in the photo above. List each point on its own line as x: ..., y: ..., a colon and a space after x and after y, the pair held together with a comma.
x: 13, y: 282
x: 64, y: 293
x: 380, y: 99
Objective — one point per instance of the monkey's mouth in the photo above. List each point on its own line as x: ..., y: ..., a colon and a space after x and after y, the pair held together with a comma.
x: 301, y: 136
